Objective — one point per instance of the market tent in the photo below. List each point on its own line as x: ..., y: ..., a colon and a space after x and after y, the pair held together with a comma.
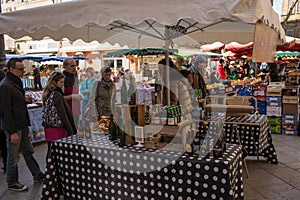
x: 165, y: 21
x: 202, y: 21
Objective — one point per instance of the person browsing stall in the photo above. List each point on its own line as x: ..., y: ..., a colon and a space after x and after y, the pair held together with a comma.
x: 16, y: 120
x: 100, y: 101
x: 85, y: 90
x: 71, y: 87
x: 57, y: 117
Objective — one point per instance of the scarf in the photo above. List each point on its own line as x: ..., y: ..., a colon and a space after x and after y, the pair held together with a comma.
x: 106, y: 84
x: 15, y: 79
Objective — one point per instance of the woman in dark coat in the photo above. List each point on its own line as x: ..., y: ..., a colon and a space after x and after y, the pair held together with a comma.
x: 57, y: 117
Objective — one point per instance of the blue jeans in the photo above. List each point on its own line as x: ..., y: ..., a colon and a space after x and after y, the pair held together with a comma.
x: 83, y: 107
x: 13, y: 157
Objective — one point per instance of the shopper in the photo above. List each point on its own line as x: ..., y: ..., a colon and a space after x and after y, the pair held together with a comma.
x: 3, y: 147
x: 198, y: 70
x: 37, y: 78
x: 16, y: 121
x: 85, y: 90
x: 100, y: 101
x: 57, y: 117
x: 71, y: 87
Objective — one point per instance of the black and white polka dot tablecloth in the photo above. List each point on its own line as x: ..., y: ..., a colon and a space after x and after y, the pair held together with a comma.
x: 254, y: 133
x: 98, y: 169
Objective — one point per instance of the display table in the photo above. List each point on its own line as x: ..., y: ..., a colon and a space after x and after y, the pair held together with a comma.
x: 254, y: 134
x: 36, y: 130
x: 99, y: 169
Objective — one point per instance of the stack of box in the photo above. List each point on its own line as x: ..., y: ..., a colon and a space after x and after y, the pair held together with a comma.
x: 274, y: 106
x: 290, y: 110
x: 260, y: 92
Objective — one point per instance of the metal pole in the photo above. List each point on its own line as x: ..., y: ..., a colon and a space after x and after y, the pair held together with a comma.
x: 2, y: 47
x: 167, y: 44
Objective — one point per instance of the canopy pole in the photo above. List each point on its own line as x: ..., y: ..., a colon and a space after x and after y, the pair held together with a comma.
x: 167, y: 44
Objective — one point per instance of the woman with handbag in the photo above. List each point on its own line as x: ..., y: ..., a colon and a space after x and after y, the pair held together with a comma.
x: 57, y: 117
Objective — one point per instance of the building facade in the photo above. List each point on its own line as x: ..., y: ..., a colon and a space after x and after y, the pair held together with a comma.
x: 290, y: 17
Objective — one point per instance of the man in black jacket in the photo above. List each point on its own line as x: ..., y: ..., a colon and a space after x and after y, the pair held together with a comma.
x: 3, y: 148
x: 37, y: 78
x: 16, y: 120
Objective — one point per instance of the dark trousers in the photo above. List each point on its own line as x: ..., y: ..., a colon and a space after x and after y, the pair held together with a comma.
x: 37, y: 83
x: 3, y: 148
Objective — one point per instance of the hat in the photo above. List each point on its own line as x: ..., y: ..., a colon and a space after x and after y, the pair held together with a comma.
x: 200, y: 59
x: 232, y: 62
x: 264, y: 65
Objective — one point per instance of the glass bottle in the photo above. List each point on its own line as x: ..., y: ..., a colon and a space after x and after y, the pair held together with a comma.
x: 124, y: 94
x: 131, y: 92
x: 189, y: 147
x: 88, y: 131
x: 157, y: 85
x: 112, y: 129
x: 147, y: 115
x: 155, y: 98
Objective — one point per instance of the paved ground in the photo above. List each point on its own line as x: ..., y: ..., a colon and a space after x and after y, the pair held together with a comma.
x: 266, y: 181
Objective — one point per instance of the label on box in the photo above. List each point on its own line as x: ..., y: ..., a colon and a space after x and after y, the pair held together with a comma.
x: 290, y: 132
x: 287, y: 116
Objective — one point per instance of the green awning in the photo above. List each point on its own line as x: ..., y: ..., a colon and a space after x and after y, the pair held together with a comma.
x: 287, y: 53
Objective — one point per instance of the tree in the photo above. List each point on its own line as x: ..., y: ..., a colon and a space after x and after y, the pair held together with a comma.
x: 2, y: 48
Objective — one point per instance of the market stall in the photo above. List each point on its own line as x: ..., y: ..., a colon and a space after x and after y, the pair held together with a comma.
x: 99, y: 169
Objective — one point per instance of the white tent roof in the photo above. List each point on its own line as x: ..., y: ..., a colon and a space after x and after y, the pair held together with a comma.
x: 80, y: 45
x: 202, y: 21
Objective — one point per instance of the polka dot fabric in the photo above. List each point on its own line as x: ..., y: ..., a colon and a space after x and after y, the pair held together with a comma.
x: 255, y: 135
x: 97, y: 169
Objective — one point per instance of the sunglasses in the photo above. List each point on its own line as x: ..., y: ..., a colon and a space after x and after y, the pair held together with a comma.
x: 21, y: 69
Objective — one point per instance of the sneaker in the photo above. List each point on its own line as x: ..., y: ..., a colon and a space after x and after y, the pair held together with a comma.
x: 18, y: 187
x: 39, y: 178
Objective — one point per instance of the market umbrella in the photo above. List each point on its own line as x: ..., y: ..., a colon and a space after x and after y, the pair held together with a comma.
x: 200, y: 21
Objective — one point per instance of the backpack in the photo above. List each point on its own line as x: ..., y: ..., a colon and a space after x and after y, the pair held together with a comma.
x: 50, y: 115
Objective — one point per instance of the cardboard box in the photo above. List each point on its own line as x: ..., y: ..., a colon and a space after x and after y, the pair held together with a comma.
x: 291, y: 91
x: 259, y: 90
x: 274, y: 110
x: 294, y: 132
x: 289, y: 121
x: 290, y: 99
x: 275, y: 129
x: 273, y: 92
x: 288, y: 108
x: 273, y: 98
x: 274, y: 120
x: 289, y: 127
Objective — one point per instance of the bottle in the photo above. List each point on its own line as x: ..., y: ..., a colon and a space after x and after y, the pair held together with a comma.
x: 80, y: 129
x: 155, y: 98
x: 88, y: 132
x: 147, y: 115
x: 163, y: 116
x: 122, y: 133
x: 170, y: 117
x: 189, y: 147
x: 220, y: 146
x: 124, y: 94
x: 131, y: 92
x: 197, y: 144
x: 157, y: 85
x: 112, y: 129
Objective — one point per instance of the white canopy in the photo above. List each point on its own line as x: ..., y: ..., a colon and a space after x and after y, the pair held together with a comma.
x: 201, y: 21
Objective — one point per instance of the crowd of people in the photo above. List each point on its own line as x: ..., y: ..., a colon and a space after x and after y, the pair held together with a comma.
x: 76, y: 97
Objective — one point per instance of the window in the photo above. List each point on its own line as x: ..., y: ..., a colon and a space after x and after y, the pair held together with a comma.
x: 290, y: 33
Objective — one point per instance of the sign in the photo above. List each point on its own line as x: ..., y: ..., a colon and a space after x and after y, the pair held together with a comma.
x: 265, y: 43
